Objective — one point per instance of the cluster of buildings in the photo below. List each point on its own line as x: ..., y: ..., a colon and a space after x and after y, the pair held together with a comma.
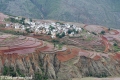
x: 50, y: 28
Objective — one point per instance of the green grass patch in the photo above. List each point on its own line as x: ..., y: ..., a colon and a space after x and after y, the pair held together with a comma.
x: 116, y: 48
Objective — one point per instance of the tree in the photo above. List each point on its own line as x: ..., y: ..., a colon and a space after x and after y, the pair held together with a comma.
x: 51, y: 27
x: 28, y: 30
x: 57, y: 35
x: 5, y: 70
x: 63, y: 34
x: 60, y: 36
x: 69, y: 31
x: 94, y: 33
x: 102, y: 32
x: 115, y: 44
x: 55, y: 41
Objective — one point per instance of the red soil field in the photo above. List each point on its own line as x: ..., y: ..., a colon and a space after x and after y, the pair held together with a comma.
x: 96, y: 57
x: 117, y: 56
x: 116, y: 32
x: 42, y: 49
x: 68, y: 54
x: 84, y: 53
x: 46, y: 48
x: 42, y: 37
x: 18, y: 44
x: 106, y: 43
x: 29, y: 45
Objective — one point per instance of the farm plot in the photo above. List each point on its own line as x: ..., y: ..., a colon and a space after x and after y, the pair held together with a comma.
x: 68, y: 54
x: 18, y: 44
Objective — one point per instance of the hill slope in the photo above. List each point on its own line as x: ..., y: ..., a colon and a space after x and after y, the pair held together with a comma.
x: 99, y: 12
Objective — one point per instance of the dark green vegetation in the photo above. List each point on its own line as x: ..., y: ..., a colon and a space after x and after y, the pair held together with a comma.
x: 100, y: 12
x: 9, y: 71
x: 102, y: 32
x: 116, y: 48
x: 60, y: 35
x: 13, y: 32
x: 39, y: 76
x: 20, y: 21
x: 19, y: 72
x: 12, y: 72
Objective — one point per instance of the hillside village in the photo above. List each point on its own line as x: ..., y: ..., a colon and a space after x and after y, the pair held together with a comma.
x: 55, y: 29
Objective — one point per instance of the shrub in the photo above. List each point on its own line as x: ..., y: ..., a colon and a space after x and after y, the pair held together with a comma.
x: 94, y: 33
x: 102, y: 32
x: 55, y: 41
x: 39, y: 76
x: 51, y: 27
x: 63, y: 34
x: 28, y: 30
x: 60, y: 35
x: 9, y: 71
x: 19, y: 72
x: 57, y: 34
x: 69, y: 31
x: 5, y: 70
x: 115, y: 44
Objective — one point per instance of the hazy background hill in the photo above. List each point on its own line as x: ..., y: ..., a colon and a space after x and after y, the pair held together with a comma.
x: 100, y: 12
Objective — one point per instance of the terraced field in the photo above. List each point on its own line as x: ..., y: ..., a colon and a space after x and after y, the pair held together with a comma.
x: 18, y: 44
x: 10, y: 44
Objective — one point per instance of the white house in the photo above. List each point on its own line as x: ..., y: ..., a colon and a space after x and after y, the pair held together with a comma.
x: 46, y: 26
x: 32, y: 23
x: 23, y: 28
x: 17, y: 26
x: 53, y: 24
x: 43, y: 31
x: 7, y: 25
x: 79, y: 29
x: 27, y: 21
x: 72, y: 34
x: 16, y: 17
x: 53, y: 34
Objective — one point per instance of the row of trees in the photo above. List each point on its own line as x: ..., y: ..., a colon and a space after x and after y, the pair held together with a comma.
x: 21, y: 21
x: 72, y: 30
x: 13, y: 32
x: 13, y: 20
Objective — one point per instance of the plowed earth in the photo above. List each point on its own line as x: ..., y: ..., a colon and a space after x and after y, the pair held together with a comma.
x: 11, y: 44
